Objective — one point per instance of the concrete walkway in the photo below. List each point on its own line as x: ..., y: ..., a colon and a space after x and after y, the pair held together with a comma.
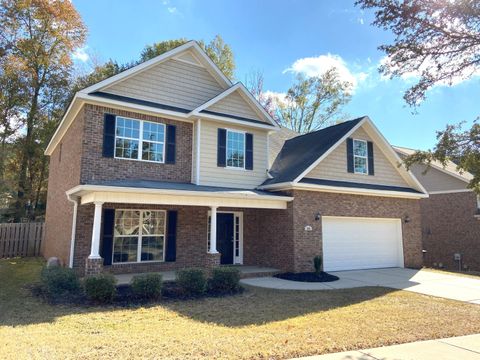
x: 463, y: 347
x: 426, y: 282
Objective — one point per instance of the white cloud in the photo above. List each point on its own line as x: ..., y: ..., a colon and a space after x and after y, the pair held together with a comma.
x: 317, y: 66
x: 172, y: 9
x: 276, y: 97
x: 81, y: 55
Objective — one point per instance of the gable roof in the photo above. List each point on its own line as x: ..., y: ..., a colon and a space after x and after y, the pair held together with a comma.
x: 300, y: 152
x: 94, y: 94
x: 303, y: 153
x: 450, y: 167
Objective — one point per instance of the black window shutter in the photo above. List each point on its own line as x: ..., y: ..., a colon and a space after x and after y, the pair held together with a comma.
x: 222, y: 148
x: 350, y: 155
x: 371, y: 169
x: 108, y: 135
x: 249, y: 151
x: 107, y: 239
x: 170, y: 145
x: 171, y: 252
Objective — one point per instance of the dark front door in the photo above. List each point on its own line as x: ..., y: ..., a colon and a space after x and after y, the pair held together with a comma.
x: 225, y: 237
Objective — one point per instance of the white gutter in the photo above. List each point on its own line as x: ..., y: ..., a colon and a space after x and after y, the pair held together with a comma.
x: 74, y: 229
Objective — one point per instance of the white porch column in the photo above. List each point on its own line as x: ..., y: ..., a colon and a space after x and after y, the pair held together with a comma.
x: 213, y: 230
x: 97, y: 224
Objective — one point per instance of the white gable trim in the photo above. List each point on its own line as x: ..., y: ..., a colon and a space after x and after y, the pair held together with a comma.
x: 383, y: 144
x: 438, y: 167
x: 245, y: 94
x: 221, y: 78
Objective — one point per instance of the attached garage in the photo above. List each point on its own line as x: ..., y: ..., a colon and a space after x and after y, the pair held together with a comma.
x: 352, y: 243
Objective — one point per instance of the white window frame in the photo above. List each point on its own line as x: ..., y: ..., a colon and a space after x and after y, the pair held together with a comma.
x: 140, y: 237
x: 359, y: 156
x: 244, y: 133
x: 140, y: 140
x: 237, y: 238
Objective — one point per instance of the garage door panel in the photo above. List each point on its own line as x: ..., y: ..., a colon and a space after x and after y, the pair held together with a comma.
x: 361, y: 243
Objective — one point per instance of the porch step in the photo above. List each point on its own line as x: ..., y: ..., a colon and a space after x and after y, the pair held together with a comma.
x: 247, y: 272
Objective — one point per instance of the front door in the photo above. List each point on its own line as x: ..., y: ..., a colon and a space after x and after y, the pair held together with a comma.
x: 225, y: 237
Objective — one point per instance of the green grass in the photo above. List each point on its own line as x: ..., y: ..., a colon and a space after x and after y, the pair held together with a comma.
x: 256, y: 324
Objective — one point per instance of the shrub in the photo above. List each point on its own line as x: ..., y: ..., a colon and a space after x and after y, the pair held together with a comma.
x: 192, y: 281
x: 58, y: 281
x: 224, y: 280
x: 101, y: 288
x: 317, y: 263
x: 147, y: 286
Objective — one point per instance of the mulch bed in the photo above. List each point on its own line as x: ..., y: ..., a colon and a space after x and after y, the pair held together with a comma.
x: 308, y: 277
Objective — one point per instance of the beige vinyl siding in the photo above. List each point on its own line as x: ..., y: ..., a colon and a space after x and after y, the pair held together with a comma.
x: 211, y: 174
x: 334, y: 166
x: 436, y: 180
x: 235, y: 104
x: 172, y: 82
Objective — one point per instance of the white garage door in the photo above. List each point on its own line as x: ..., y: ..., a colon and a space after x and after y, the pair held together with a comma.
x: 361, y: 243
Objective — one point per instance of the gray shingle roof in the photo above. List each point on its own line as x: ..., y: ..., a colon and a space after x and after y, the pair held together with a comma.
x: 348, y: 184
x: 299, y: 153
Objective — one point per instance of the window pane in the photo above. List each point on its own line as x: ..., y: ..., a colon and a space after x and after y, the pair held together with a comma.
x: 153, y: 223
x: 153, y: 131
x: 360, y: 148
x: 127, y: 128
x: 360, y: 165
x: 235, y: 149
x: 127, y: 222
x: 125, y: 148
x: 152, y: 151
x: 152, y: 248
x: 125, y: 249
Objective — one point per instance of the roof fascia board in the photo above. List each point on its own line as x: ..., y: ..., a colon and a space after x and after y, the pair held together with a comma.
x: 438, y: 167
x: 350, y: 191
x: 235, y: 121
x: 316, y: 162
x: 82, y: 189
x: 72, y: 111
x: 450, y: 191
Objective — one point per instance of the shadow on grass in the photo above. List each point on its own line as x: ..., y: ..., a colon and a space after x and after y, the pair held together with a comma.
x: 255, y: 306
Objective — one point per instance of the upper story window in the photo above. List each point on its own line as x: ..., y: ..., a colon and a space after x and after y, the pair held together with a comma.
x: 360, y: 156
x: 235, y: 149
x: 139, y: 140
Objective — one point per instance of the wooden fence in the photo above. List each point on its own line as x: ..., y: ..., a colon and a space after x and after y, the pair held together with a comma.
x: 21, y: 239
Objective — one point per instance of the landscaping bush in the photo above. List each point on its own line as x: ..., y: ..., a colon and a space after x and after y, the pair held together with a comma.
x: 147, y: 286
x: 59, y: 282
x: 224, y: 280
x: 101, y: 288
x: 317, y: 264
x: 192, y: 281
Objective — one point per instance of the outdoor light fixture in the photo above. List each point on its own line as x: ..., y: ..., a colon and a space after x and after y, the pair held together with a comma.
x: 406, y: 219
x: 318, y: 216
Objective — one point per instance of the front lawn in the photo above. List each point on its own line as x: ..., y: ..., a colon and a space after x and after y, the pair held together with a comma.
x: 256, y: 324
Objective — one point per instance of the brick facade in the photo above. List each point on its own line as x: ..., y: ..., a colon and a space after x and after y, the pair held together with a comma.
x: 307, y: 204
x: 64, y: 173
x: 450, y: 226
x: 95, y: 167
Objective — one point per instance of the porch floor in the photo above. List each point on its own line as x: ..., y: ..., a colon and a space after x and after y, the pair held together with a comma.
x: 245, y: 272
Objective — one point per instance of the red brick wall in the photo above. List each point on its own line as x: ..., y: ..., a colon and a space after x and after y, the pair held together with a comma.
x: 308, y: 203
x: 449, y: 227
x: 64, y: 173
x: 96, y: 167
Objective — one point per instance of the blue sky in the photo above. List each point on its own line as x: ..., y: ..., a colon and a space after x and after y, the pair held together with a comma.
x: 280, y: 38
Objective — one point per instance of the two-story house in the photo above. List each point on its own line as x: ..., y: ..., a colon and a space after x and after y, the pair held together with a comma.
x: 169, y: 165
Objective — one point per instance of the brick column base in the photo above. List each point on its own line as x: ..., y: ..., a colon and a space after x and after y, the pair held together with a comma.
x: 213, y: 260
x: 93, y: 266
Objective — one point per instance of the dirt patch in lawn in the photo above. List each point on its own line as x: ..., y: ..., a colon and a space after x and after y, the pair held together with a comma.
x: 259, y: 323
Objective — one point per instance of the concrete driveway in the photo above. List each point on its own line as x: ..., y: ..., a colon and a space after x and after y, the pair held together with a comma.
x: 420, y: 281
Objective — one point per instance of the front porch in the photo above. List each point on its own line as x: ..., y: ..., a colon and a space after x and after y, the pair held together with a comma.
x: 246, y: 271
x: 165, y: 227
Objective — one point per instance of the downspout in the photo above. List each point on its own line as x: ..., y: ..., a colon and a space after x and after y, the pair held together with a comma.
x: 74, y: 200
